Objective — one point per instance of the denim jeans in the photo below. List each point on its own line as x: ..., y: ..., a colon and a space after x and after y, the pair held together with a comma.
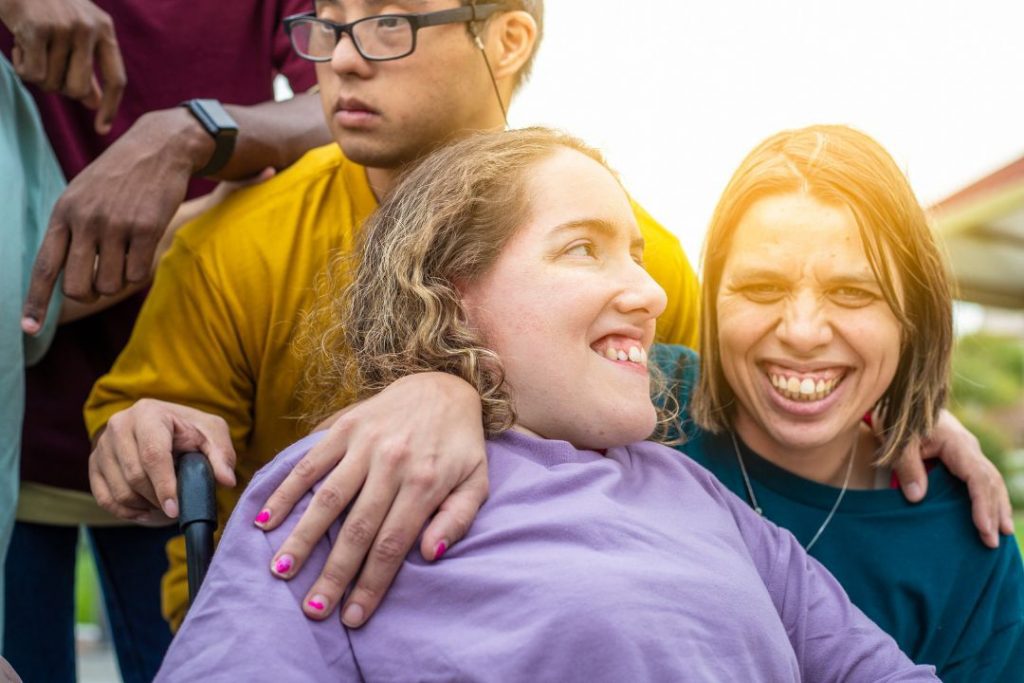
x: 39, y: 638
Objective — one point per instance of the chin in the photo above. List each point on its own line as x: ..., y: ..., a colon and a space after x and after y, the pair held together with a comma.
x: 803, y: 436
x: 622, y: 429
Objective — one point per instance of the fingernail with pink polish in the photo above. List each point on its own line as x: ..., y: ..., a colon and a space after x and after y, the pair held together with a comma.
x: 262, y: 518
x: 283, y: 564
x: 317, y: 602
x: 440, y: 551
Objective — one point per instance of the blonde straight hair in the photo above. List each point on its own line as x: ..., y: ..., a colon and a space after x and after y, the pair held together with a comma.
x: 841, y: 166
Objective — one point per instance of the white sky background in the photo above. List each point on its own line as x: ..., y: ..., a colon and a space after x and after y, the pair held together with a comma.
x: 676, y: 92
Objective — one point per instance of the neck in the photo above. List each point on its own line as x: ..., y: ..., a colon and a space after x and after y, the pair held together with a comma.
x: 824, y: 464
x: 381, y: 180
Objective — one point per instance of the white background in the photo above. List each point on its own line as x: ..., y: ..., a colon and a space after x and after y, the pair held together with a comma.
x: 677, y: 92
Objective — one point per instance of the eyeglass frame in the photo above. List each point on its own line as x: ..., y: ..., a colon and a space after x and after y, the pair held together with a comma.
x: 416, y: 21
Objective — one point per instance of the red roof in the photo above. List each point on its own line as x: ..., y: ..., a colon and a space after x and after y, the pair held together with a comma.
x: 1011, y: 174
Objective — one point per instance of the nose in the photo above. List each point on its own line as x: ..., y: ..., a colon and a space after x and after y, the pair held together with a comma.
x: 804, y: 326
x: 346, y: 58
x: 641, y: 294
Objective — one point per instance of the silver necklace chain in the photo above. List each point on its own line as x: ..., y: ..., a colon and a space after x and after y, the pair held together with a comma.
x: 759, y: 510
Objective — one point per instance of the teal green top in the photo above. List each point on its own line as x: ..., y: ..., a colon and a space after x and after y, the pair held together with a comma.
x: 919, y: 571
x: 30, y: 182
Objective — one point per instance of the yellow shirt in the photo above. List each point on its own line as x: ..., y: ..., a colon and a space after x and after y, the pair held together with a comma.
x: 216, y: 330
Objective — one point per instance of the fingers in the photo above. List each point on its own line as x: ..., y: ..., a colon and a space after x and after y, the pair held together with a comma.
x: 111, y: 69
x: 327, y: 505
x: 132, y: 465
x: 214, y: 439
x: 109, y: 278
x: 139, y: 260
x: 357, y: 535
x: 119, y: 460
x: 56, y: 61
x: 390, y: 547
x: 454, y: 517
x: 92, y: 99
x: 80, y: 268
x: 45, y: 270
x: 1006, y: 524
x: 984, y: 513
x: 78, y: 83
x: 327, y: 453
x: 31, y: 64
x: 149, y: 466
x: 109, y: 486
x: 911, y: 473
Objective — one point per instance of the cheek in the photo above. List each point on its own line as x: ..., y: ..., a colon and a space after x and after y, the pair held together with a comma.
x: 877, y: 339
x: 505, y: 311
x: 740, y: 326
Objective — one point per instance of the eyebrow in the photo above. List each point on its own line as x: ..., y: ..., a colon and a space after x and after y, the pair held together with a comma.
x: 761, y: 273
x: 602, y: 227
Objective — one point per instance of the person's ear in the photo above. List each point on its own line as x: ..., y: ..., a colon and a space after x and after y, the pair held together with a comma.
x: 511, y: 38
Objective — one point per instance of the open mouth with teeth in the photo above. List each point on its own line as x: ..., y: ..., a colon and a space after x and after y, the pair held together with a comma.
x: 622, y: 349
x: 805, y: 387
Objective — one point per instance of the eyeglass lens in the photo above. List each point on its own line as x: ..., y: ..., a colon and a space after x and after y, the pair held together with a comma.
x: 381, y: 37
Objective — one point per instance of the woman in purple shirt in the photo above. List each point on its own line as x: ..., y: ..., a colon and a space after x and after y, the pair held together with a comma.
x: 513, y: 260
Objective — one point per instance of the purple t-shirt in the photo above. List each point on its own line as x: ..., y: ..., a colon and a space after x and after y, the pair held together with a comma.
x: 173, y: 50
x: 636, y: 565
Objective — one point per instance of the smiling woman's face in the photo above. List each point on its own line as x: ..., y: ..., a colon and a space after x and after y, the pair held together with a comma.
x: 566, y: 296
x: 807, y: 341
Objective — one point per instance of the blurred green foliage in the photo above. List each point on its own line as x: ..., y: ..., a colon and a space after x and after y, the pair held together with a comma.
x: 87, y: 587
x: 988, y: 371
x: 987, y: 383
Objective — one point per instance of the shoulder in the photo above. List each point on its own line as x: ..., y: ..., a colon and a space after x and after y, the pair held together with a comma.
x: 280, y: 206
x: 680, y: 465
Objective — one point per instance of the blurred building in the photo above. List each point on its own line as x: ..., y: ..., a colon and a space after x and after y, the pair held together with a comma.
x: 982, y: 227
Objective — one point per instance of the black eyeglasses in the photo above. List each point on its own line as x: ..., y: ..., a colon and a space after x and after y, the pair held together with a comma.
x: 377, y: 39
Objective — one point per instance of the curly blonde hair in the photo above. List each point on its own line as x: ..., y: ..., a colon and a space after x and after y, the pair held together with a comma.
x: 391, y: 308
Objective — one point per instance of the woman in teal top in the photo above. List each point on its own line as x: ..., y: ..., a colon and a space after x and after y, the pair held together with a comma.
x: 825, y: 299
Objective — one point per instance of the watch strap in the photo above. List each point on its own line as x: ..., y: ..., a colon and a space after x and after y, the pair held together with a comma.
x: 216, y: 121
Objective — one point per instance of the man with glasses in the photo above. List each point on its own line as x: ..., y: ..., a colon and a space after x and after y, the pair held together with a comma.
x: 212, y: 364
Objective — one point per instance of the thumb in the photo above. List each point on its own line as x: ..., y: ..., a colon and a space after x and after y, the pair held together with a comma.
x: 455, y: 516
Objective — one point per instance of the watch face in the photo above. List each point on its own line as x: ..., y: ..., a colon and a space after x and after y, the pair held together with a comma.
x: 213, y: 116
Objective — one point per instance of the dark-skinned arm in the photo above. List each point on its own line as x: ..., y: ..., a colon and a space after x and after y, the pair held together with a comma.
x: 105, y: 228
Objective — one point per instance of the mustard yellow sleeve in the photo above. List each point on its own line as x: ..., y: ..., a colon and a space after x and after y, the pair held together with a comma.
x: 186, y: 348
x: 667, y: 263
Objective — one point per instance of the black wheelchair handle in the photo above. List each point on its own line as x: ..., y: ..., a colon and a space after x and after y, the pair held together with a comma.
x: 197, y: 515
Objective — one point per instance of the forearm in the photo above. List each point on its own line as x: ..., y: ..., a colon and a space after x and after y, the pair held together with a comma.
x: 271, y: 134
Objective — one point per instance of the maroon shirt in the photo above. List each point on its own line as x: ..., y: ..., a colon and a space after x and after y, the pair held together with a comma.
x: 173, y: 50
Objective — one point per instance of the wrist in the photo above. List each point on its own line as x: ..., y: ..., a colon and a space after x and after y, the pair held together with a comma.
x: 190, y: 145
x: 452, y: 387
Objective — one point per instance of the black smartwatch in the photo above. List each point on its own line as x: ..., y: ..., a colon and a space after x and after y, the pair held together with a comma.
x: 212, y: 116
